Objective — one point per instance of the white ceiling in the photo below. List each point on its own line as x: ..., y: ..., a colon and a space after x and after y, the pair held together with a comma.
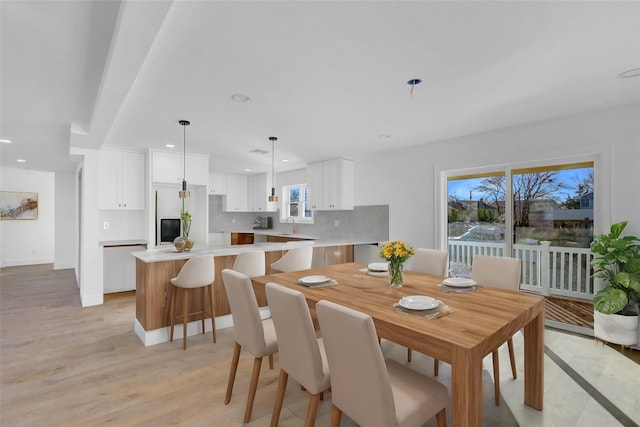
x: 326, y: 78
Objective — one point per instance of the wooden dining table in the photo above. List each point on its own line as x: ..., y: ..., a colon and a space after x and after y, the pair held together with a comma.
x: 480, y: 321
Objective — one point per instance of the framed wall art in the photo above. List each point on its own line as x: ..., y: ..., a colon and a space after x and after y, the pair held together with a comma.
x: 18, y: 205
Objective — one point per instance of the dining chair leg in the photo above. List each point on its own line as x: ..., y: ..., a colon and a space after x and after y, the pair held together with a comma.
x: 336, y: 416
x: 277, y: 406
x: 271, y: 361
x: 232, y: 372
x: 172, y: 310
x: 441, y: 418
x: 436, y: 367
x: 253, y: 386
x: 212, y: 312
x: 185, y: 316
x: 312, y: 409
x: 409, y: 354
x: 496, y: 377
x: 512, y: 358
x: 202, y: 306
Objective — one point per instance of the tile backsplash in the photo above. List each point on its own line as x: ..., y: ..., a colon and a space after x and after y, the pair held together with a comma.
x: 363, y: 223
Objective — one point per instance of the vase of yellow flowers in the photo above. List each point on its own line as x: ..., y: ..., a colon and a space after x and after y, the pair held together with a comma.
x: 396, y: 252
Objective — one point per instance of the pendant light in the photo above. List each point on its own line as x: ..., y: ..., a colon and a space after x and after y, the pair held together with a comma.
x: 273, y: 197
x: 184, y: 193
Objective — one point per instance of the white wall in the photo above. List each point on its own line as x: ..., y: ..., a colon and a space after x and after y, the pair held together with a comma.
x: 66, y: 219
x: 408, y: 180
x: 26, y: 242
x: 90, y: 270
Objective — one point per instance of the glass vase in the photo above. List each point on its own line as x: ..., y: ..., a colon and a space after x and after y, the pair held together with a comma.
x: 395, y: 274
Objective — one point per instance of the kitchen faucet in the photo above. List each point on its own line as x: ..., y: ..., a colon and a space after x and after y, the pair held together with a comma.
x: 293, y: 224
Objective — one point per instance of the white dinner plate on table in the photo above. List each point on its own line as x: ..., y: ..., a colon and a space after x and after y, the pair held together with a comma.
x: 418, y: 302
x: 459, y: 282
x: 378, y: 266
x: 314, y: 280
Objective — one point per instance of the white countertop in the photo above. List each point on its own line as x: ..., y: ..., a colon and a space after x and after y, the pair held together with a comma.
x: 133, y: 242
x: 169, y: 253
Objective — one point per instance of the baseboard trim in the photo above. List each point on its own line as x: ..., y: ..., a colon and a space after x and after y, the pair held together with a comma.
x: 161, y: 335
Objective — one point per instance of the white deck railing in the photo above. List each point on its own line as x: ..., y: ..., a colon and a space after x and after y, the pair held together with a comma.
x: 546, y: 269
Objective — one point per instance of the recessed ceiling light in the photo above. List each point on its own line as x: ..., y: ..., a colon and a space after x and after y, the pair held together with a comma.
x: 6, y: 141
x: 634, y: 72
x: 247, y: 170
x: 21, y: 161
x: 169, y: 145
x: 285, y: 160
x: 239, y: 97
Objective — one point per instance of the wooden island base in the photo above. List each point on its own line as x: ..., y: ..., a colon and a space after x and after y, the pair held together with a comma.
x: 153, y: 292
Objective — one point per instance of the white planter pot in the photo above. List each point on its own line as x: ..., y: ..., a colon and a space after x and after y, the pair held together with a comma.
x: 615, y: 328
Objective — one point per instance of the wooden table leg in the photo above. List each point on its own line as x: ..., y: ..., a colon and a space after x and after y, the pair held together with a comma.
x: 466, y: 387
x: 534, y: 362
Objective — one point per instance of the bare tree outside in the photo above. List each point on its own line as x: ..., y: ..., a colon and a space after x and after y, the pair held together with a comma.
x: 492, y: 188
x: 531, y: 186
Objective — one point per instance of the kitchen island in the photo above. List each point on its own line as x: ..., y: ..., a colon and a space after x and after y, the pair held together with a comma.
x: 156, y: 267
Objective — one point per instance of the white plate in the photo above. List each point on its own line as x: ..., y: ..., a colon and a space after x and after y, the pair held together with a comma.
x: 378, y: 266
x: 459, y: 282
x: 314, y: 280
x: 418, y: 302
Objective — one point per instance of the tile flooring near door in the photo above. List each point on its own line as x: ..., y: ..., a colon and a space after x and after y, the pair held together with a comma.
x: 64, y: 365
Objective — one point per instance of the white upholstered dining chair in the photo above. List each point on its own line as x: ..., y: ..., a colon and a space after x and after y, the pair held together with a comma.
x: 197, y: 272
x: 251, y: 263
x: 498, y: 272
x: 251, y: 333
x: 428, y: 261
x: 301, y: 354
x: 372, y: 391
x: 294, y: 260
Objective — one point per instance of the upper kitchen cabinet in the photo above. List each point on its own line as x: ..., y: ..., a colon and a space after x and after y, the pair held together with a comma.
x: 258, y: 190
x: 217, y: 184
x: 236, y: 198
x: 122, y: 180
x: 331, y: 185
x: 169, y: 168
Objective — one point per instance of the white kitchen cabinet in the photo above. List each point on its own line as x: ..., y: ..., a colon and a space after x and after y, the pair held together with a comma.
x: 258, y: 191
x: 331, y: 185
x: 122, y: 180
x: 236, y: 198
x: 315, y: 185
x: 217, y: 184
x: 169, y: 168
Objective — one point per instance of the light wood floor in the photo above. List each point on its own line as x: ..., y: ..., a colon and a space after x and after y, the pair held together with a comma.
x: 64, y: 365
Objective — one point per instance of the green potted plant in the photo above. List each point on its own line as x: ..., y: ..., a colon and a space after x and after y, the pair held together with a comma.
x: 617, y: 262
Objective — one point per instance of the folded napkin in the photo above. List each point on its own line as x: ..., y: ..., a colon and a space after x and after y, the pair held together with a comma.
x: 331, y: 282
x: 440, y: 311
x: 374, y: 273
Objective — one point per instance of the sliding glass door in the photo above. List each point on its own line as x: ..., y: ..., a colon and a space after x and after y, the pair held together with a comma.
x: 543, y: 215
